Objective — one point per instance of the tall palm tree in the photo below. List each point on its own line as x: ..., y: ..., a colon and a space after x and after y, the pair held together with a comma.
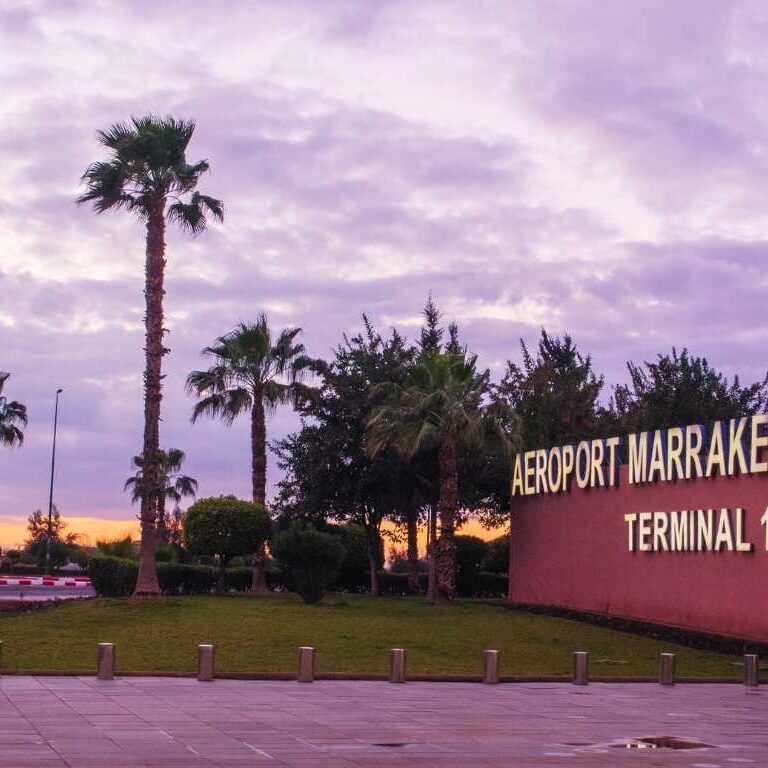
x: 439, y: 405
x: 13, y: 416
x: 251, y: 373
x: 174, y: 485
x: 147, y: 174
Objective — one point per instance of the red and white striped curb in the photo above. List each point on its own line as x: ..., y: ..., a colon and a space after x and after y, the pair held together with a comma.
x: 45, y: 581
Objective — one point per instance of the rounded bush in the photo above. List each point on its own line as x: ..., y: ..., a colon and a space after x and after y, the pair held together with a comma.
x: 312, y: 559
x: 225, y: 527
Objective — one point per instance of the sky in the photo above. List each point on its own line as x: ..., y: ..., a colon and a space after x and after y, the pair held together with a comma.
x: 585, y: 166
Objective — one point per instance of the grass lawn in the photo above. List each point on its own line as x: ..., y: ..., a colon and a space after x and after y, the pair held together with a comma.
x: 352, y: 634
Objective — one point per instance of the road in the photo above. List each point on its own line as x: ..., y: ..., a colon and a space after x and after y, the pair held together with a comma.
x: 38, y: 593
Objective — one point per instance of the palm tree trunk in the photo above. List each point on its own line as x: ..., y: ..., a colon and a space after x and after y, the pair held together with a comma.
x: 147, y: 583
x: 259, y: 482
x: 431, y: 537
x: 372, y: 541
x: 162, y: 528
x: 445, y: 547
x: 412, y: 522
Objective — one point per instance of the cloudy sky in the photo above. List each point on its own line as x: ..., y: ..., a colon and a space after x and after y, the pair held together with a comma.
x: 590, y: 166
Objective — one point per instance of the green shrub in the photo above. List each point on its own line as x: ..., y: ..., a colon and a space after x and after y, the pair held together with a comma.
x: 496, y: 559
x: 491, y: 585
x: 353, y: 574
x: 470, y: 551
x: 312, y: 559
x: 118, y: 548
x: 79, y: 556
x: 184, y: 579
x: 163, y: 554
x: 238, y: 579
x: 112, y: 576
x: 199, y: 579
x: 396, y: 584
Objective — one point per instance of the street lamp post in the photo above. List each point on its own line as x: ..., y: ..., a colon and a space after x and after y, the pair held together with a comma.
x: 50, y: 495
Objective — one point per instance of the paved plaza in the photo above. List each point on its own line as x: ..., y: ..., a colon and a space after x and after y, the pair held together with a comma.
x: 143, y: 721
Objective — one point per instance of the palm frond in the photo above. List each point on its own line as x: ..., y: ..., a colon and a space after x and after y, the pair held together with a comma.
x: 226, y: 405
x: 13, y: 416
x: 193, y: 216
x: 189, y: 217
x: 105, y: 187
x: 115, y: 136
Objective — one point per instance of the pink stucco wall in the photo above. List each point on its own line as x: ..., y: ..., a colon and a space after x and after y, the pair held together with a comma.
x: 571, y: 551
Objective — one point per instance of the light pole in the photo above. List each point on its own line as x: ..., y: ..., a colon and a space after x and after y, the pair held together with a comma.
x: 50, y: 495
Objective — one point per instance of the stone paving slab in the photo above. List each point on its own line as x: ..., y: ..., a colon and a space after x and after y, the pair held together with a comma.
x: 82, y: 722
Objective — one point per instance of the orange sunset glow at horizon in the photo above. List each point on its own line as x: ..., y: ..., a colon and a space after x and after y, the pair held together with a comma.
x: 13, y: 531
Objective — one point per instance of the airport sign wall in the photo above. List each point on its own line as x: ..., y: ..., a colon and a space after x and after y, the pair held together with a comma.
x: 646, y: 526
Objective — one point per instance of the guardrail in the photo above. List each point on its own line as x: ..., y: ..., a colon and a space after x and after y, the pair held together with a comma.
x: 45, y: 581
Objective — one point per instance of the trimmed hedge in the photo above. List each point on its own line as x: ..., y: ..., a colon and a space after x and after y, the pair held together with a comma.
x: 483, y: 585
x: 183, y: 579
x: 116, y: 577
x: 238, y: 579
x: 113, y: 576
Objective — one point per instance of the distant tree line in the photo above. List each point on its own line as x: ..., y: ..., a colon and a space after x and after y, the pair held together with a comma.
x: 395, y: 436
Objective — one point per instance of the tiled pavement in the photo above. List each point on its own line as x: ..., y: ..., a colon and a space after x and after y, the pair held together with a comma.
x: 142, y: 721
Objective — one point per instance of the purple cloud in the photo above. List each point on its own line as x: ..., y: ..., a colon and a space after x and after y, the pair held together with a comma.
x: 592, y: 168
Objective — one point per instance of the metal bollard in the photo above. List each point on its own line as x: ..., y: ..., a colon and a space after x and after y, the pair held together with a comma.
x: 106, y: 665
x: 306, y: 664
x: 751, y: 670
x: 581, y: 668
x: 667, y: 671
x: 397, y: 665
x: 205, y: 663
x: 491, y: 667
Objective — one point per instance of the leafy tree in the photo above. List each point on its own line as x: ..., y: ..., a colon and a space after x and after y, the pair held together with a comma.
x: 681, y: 389
x: 555, y: 394
x: 440, y: 404
x: 174, y: 486
x: 352, y: 572
x: 38, y: 528
x: 431, y: 332
x: 312, y: 558
x: 328, y: 474
x: 147, y: 174
x: 13, y: 416
x: 225, y: 527
x: 252, y: 373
